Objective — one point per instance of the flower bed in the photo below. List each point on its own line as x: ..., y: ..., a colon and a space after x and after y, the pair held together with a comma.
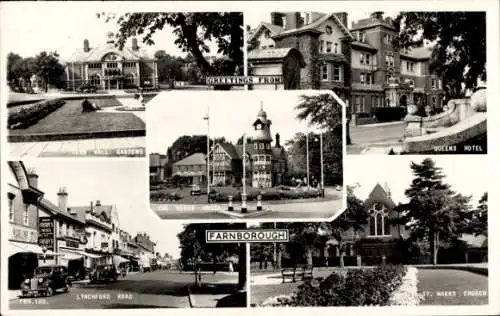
x: 407, y: 292
x: 358, y: 287
x: 30, y: 115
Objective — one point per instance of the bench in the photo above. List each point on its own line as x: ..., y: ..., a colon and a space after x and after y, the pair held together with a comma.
x: 297, y: 273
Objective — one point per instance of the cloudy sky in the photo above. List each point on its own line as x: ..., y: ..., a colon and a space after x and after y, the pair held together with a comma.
x: 232, y: 113
x: 29, y: 28
x: 466, y: 174
x: 105, y: 180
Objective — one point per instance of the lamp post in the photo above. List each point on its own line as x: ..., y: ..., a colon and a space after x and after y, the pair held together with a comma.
x: 244, y: 194
x: 307, y: 159
x: 207, y: 118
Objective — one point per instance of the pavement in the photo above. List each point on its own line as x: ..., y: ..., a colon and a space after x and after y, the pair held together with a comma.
x: 158, y: 289
x: 375, y: 139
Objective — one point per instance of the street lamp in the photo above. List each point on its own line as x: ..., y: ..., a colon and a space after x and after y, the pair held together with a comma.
x: 321, y: 158
x: 244, y: 194
x: 207, y: 118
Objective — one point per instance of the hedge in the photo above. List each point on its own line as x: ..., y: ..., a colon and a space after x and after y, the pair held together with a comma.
x: 389, y: 114
x: 358, y: 287
x: 30, y: 115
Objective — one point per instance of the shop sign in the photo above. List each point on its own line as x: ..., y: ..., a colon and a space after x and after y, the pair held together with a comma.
x: 46, y: 233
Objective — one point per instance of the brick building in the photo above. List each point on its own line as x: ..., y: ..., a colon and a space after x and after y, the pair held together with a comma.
x: 361, y: 64
x: 108, y: 68
x: 265, y: 164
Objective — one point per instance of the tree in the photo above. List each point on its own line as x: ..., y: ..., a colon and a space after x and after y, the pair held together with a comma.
x: 477, y: 220
x: 355, y: 218
x: 49, y: 69
x: 308, y: 236
x: 194, y: 248
x: 192, y: 31
x: 170, y: 67
x: 459, y: 53
x: 13, y: 65
x: 433, y: 212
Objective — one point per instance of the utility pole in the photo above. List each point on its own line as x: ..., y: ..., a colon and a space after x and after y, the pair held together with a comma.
x: 207, y: 118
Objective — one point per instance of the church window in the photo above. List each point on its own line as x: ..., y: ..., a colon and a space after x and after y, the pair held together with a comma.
x: 378, y: 221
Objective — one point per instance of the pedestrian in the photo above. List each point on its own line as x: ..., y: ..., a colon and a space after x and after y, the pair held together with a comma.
x: 231, y: 268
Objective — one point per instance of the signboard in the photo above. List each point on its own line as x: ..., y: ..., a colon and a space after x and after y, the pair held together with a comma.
x: 72, y: 244
x: 46, y: 233
x: 247, y: 235
x: 244, y: 80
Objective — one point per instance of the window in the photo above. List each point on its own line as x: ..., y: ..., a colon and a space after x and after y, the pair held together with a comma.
x: 328, y: 47
x: 337, y: 73
x: 336, y: 48
x: 324, y: 72
x: 268, y: 146
x: 267, y: 34
x: 389, y: 60
x: 261, y: 146
x: 434, y: 101
x: 328, y: 29
x: 434, y: 83
x: 361, y: 58
x: 255, y: 146
x: 11, y: 210
x: 378, y: 220
x: 129, y: 65
x: 362, y: 103
x: 387, y: 39
x: 387, y: 77
x: 25, y: 215
x: 321, y: 46
x: 369, y: 78
x: 362, y: 77
x: 95, y: 66
x: 360, y: 36
x: 112, y: 65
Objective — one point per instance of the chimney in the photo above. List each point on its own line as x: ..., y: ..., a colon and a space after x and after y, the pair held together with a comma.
x: 342, y: 16
x: 135, y: 47
x: 377, y: 15
x: 98, y: 203
x: 277, y: 145
x: 71, y: 211
x: 277, y: 18
x: 33, y: 178
x: 62, y: 199
x: 290, y: 20
x: 86, y: 47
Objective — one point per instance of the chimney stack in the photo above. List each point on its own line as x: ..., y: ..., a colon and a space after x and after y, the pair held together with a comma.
x: 33, y: 178
x: 290, y: 20
x: 98, y: 203
x: 342, y: 16
x: 135, y: 47
x: 277, y: 145
x: 62, y: 199
x: 377, y: 15
x: 86, y: 47
x: 277, y: 18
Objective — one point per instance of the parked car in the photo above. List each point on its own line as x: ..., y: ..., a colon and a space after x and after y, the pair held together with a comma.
x: 195, y: 189
x: 46, y: 281
x: 104, y: 273
x: 86, y: 88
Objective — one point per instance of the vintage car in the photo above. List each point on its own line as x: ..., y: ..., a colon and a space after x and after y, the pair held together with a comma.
x: 46, y: 281
x: 86, y: 88
x: 104, y: 273
x: 195, y: 189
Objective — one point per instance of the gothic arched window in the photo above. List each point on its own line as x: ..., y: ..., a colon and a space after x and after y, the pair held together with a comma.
x: 378, y: 220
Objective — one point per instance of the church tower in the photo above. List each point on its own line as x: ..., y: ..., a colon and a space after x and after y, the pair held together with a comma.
x: 261, y: 154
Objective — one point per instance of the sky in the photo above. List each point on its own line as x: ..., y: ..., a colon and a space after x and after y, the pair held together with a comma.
x: 105, y: 180
x: 232, y: 113
x: 254, y: 16
x: 27, y: 30
x: 466, y: 174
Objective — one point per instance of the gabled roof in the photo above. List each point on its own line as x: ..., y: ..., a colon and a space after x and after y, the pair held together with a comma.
x: 97, y: 53
x: 312, y: 27
x: 55, y: 209
x: 96, y: 210
x: 274, y: 54
x: 378, y: 194
x: 274, y: 29
x: 194, y: 159
x: 230, y: 150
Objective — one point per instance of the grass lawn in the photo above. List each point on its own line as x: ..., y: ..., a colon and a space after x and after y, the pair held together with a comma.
x: 448, y: 286
x: 261, y: 292
x: 69, y: 119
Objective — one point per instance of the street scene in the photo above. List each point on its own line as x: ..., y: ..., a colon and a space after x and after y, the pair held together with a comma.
x: 83, y: 89
x: 414, y: 82
x: 438, y: 256
x: 264, y: 161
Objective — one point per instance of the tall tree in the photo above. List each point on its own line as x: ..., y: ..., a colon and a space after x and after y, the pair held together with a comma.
x: 459, y: 52
x: 433, y: 212
x: 478, y: 218
x: 192, y: 31
x: 13, y: 64
x: 49, y: 69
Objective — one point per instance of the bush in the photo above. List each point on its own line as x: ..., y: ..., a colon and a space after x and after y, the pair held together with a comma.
x: 165, y: 196
x: 359, y: 287
x: 30, y: 115
x: 389, y: 114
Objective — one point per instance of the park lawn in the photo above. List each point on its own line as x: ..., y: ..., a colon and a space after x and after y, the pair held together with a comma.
x: 69, y: 119
x: 433, y: 281
x: 261, y: 292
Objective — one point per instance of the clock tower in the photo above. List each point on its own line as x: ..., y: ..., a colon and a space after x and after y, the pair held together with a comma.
x: 261, y: 154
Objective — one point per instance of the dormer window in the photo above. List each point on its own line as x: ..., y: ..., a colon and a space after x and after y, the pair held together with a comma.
x: 328, y: 30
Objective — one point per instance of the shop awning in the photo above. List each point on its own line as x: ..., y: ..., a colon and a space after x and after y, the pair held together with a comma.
x: 19, y: 247
x: 90, y: 255
x: 119, y: 259
x: 72, y: 254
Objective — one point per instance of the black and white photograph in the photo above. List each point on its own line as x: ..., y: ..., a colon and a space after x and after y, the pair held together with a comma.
x: 74, y: 242
x: 270, y: 155
x: 414, y: 232
x: 82, y: 89
x: 414, y: 82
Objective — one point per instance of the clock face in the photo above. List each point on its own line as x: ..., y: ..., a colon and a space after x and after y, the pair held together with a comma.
x: 259, y: 126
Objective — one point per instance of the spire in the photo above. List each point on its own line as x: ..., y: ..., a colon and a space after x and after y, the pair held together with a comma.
x: 387, y: 189
x: 262, y: 113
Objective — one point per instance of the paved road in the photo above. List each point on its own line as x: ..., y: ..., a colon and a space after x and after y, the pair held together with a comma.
x: 159, y: 289
x: 365, y: 134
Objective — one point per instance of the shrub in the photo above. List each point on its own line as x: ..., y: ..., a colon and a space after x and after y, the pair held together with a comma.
x: 30, y: 115
x: 389, y: 114
x: 359, y: 287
